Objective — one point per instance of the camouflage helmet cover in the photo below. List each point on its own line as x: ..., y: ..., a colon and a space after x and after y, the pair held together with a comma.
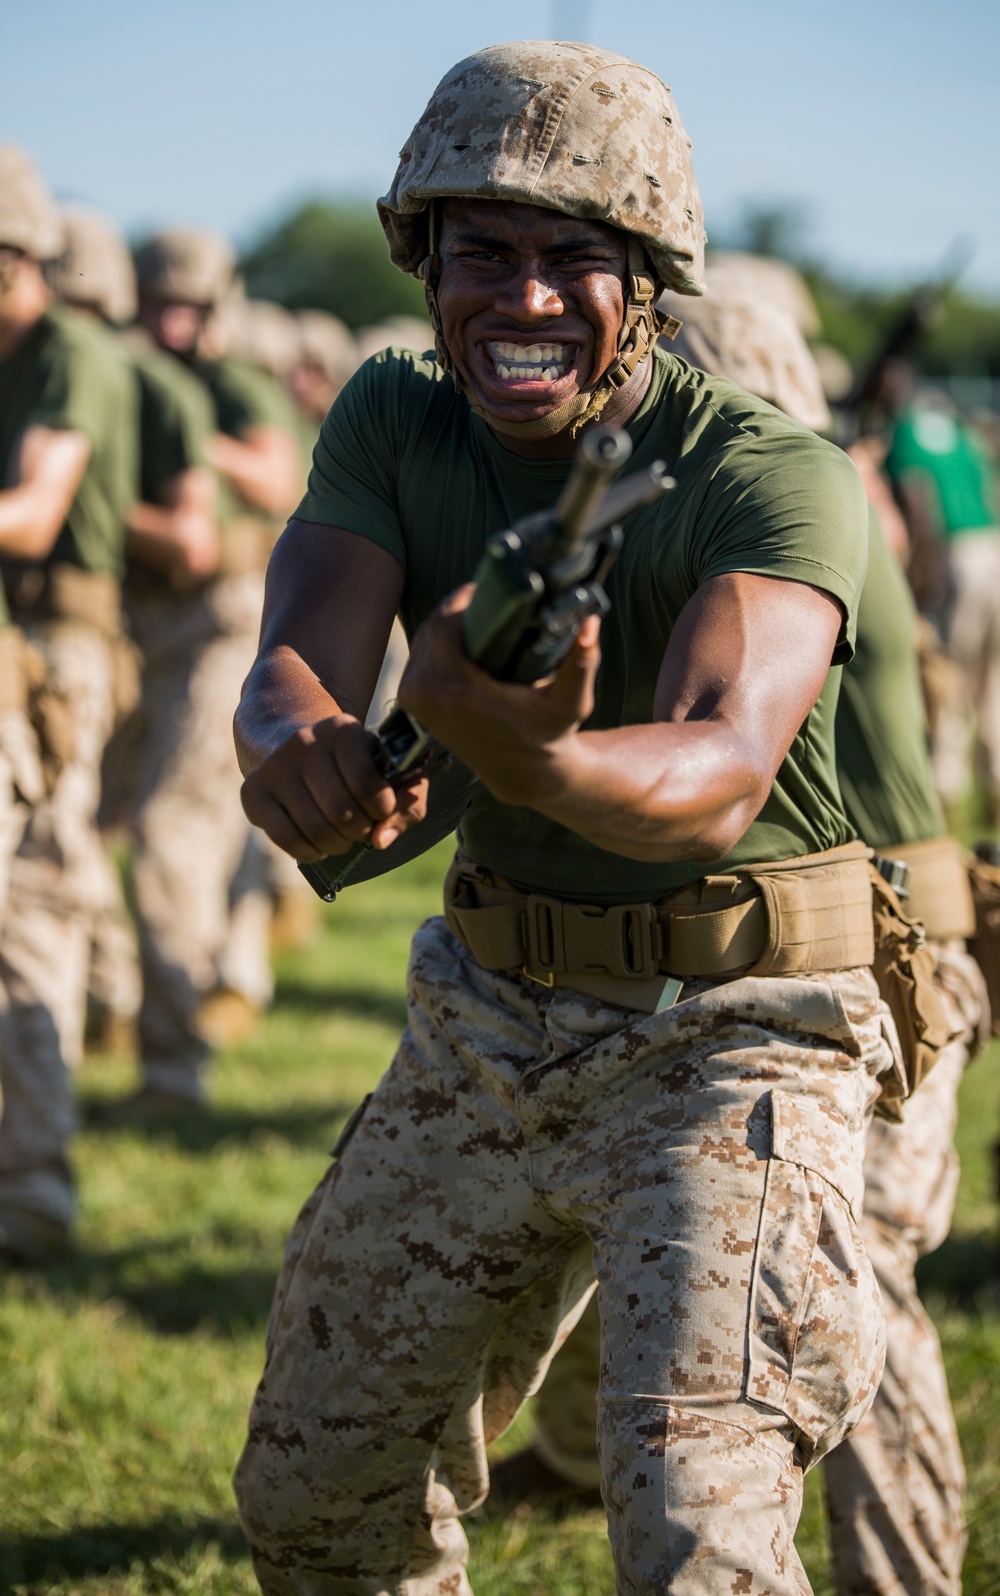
x: 95, y: 267
x: 29, y: 220
x: 777, y: 282
x: 326, y: 342
x: 186, y: 265
x: 565, y: 126
x: 754, y: 343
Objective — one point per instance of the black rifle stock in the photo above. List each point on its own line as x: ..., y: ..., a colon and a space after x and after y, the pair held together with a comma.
x: 534, y: 587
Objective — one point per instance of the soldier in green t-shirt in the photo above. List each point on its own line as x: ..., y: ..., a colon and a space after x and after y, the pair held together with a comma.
x: 214, y: 467
x: 68, y: 459
x: 649, y: 812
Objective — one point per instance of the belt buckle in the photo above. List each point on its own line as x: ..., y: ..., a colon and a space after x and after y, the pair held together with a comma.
x: 637, y: 925
x: 543, y: 940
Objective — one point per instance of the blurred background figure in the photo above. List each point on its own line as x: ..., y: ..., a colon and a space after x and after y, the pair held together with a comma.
x: 221, y: 468
x: 68, y: 457
x: 945, y: 479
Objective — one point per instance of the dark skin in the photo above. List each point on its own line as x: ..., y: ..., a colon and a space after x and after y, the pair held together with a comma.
x: 744, y: 665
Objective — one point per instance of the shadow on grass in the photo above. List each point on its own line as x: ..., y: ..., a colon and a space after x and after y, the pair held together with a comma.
x: 164, y: 1288
x: 35, y: 1562
x: 964, y: 1271
x: 366, y: 1002
x: 208, y: 1125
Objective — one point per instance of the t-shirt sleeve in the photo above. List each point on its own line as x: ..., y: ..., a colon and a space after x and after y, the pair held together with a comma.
x: 353, y: 480
x: 792, y: 507
x: 78, y: 390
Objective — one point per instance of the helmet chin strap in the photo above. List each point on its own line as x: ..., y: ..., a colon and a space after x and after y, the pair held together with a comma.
x: 641, y: 326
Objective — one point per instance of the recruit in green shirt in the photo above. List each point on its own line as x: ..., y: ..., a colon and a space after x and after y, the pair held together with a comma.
x: 942, y: 451
x: 882, y: 755
x: 69, y: 374
x: 245, y: 397
x: 402, y: 460
x: 176, y: 419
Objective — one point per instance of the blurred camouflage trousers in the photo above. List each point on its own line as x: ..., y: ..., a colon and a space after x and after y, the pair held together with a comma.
x: 894, y: 1489
x: 21, y: 784
x: 971, y: 723
x: 44, y: 945
x: 519, y: 1134
x: 894, y: 1486
x: 191, y: 835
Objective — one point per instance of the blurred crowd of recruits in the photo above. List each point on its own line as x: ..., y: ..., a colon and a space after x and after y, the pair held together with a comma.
x: 156, y: 427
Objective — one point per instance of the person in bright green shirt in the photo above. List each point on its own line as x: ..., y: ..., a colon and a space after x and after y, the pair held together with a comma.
x: 945, y: 480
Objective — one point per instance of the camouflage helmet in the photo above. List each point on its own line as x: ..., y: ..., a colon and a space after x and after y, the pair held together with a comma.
x: 29, y: 220
x: 95, y: 267
x: 775, y: 281
x: 571, y: 128
x: 401, y: 332
x: 261, y: 332
x: 755, y: 344
x: 186, y: 265
x: 325, y: 341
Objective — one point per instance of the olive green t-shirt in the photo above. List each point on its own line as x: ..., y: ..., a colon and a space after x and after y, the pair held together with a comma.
x: 882, y: 756
x: 176, y: 419
x: 402, y: 460
x: 70, y: 374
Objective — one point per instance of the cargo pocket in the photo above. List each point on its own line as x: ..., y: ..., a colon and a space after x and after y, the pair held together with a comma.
x: 816, y: 1342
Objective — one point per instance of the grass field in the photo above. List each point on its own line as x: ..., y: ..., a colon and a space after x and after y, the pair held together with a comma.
x: 127, y: 1373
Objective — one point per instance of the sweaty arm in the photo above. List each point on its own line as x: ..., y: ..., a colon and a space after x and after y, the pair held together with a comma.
x: 745, y: 663
x: 311, y: 783
x: 48, y: 467
x: 179, y: 536
x: 264, y: 466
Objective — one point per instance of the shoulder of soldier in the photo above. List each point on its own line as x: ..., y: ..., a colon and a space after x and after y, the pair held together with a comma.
x: 164, y: 378
x: 241, y: 389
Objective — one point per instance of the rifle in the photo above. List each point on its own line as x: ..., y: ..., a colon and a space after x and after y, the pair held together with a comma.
x: 535, y: 586
x: 913, y: 320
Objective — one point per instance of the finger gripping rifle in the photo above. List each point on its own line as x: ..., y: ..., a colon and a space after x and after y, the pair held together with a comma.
x: 534, y: 588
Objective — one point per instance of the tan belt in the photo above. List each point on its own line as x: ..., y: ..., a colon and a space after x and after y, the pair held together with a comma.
x: 940, y: 893
x: 40, y: 594
x: 796, y: 916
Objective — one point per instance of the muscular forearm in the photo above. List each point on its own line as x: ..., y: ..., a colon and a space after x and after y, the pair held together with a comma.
x: 263, y: 468
x: 27, y: 531
x: 280, y: 697
x: 653, y: 792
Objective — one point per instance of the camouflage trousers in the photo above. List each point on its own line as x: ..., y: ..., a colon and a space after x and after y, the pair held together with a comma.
x: 970, y: 724
x: 704, y: 1161
x: 894, y: 1486
x: 45, y: 939
x: 21, y: 785
x: 190, y: 833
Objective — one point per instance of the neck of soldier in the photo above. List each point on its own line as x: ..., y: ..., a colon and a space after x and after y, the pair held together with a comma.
x: 619, y: 410
x: 24, y: 298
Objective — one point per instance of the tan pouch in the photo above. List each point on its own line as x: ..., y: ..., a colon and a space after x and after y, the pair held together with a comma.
x: 43, y: 594
x: 819, y: 911
x: 904, y: 969
x: 940, y: 893
x: 985, y: 944
x: 244, y: 547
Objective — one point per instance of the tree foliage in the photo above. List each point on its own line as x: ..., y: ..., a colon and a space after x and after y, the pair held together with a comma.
x: 330, y: 255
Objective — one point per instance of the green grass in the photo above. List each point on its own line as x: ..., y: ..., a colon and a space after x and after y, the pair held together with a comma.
x: 127, y: 1373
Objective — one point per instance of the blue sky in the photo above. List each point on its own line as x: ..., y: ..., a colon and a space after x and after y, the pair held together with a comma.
x: 881, y: 116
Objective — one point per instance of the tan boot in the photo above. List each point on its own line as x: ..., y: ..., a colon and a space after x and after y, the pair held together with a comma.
x: 226, y: 1018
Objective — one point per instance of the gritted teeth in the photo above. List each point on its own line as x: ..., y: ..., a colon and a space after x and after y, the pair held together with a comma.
x: 530, y: 362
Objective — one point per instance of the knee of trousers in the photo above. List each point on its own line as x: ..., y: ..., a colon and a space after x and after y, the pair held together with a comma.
x: 345, y: 1502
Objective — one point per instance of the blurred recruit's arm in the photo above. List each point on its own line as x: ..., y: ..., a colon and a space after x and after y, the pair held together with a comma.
x: 48, y: 467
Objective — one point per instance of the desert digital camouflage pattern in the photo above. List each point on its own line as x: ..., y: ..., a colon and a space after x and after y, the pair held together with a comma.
x: 94, y: 267
x: 183, y: 264
x: 55, y: 881
x: 566, y: 126
x: 758, y: 345
x: 772, y: 282
x: 708, y: 1159
x: 399, y: 332
x: 28, y: 218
